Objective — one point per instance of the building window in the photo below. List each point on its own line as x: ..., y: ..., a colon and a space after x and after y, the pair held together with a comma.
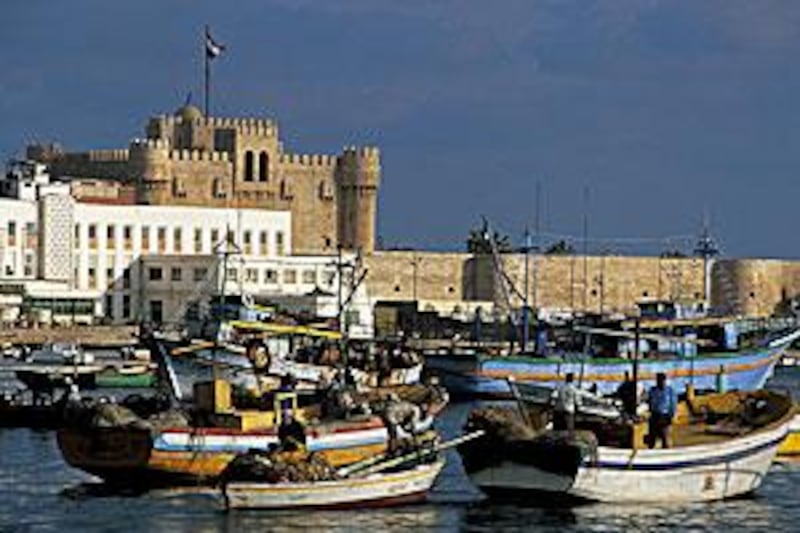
x: 126, y: 306
x: 12, y: 233
x: 200, y: 274
x: 233, y: 274
x: 251, y: 275
x: 156, y: 311
x: 193, y: 311
x: 198, y: 240
x: 330, y: 277
x: 30, y: 228
x: 214, y: 238
x: 262, y: 242
x: 77, y: 235
x: 145, y: 239
x: 263, y: 166
x: 177, y: 240
x: 109, y: 276
x: 92, y: 236
x: 127, y: 237
x: 155, y: 274
x: 110, y: 236
x: 279, y: 246
x: 309, y: 277
x: 126, y: 279
x: 109, y: 306
x: 248, y: 248
x: 162, y: 239
x: 175, y: 274
x: 248, y: 166
x: 92, y: 277
x: 270, y: 276
x: 218, y: 188
x: 290, y: 277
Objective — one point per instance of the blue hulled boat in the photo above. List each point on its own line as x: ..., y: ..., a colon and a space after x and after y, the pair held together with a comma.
x: 480, y: 375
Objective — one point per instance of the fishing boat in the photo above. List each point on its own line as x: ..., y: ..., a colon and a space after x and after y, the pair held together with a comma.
x: 404, y: 486
x: 475, y: 374
x: 274, y: 481
x: 309, y: 353
x: 722, y: 446
x: 189, y: 455
x: 172, y: 448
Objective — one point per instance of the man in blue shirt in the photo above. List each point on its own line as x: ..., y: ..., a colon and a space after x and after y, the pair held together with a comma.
x: 663, y: 402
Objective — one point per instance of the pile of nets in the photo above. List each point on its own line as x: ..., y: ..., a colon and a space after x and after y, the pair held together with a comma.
x: 112, y: 415
x: 278, y: 467
x: 500, y: 423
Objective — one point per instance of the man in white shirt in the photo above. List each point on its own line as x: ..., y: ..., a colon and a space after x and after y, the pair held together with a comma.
x: 566, y: 400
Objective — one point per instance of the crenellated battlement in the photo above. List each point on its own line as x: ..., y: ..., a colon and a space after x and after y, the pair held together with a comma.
x: 309, y: 160
x: 106, y: 156
x: 261, y: 127
x: 149, y: 144
x: 197, y: 155
x: 363, y: 152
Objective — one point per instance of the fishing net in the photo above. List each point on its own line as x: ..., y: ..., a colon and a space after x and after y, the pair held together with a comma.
x: 278, y: 467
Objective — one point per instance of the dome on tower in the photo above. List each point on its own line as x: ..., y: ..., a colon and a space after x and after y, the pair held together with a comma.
x: 189, y: 113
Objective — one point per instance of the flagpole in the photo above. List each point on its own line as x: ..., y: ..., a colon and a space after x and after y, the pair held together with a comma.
x: 207, y: 70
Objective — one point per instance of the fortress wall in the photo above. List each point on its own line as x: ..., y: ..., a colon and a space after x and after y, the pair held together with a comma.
x: 613, y: 283
x: 439, y: 276
x: 754, y: 286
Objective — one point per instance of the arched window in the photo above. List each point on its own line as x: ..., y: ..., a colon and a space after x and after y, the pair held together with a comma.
x: 263, y: 166
x: 248, y: 166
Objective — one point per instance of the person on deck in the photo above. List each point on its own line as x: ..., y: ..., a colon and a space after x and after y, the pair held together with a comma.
x: 662, y: 402
x: 291, y: 433
x: 566, y: 399
x: 626, y: 392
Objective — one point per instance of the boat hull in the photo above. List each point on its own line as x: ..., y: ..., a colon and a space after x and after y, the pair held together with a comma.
x: 199, y: 455
x: 479, y: 376
x: 690, y: 474
x: 408, y: 486
x: 790, y: 447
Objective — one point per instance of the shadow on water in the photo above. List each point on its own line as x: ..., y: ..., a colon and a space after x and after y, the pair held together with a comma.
x: 90, y: 489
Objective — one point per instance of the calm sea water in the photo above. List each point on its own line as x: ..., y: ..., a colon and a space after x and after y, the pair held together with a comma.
x: 39, y: 492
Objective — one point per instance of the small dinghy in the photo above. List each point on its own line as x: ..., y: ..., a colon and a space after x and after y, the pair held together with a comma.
x: 281, y: 481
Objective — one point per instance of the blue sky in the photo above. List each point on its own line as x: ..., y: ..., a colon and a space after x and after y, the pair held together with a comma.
x: 662, y: 109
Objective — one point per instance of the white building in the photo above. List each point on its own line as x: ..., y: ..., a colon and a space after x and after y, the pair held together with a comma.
x: 156, y: 263
x: 28, y: 180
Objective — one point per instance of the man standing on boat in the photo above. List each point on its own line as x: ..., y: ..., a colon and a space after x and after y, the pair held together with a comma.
x: 662, y: 402
x: 627, y: 394
x: 566, y: 399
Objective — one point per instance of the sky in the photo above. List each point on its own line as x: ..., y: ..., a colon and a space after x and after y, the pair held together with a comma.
x: 636, y: 118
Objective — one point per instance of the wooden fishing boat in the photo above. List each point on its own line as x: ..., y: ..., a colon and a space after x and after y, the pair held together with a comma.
x: 722, y: 447
x: 280, y: 480
x: 187, y: 455
x: 404, y: 486
x: 474, y: 374
x: 135, y: 450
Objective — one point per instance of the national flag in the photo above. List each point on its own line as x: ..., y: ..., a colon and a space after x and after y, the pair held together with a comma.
x: 213, y: 48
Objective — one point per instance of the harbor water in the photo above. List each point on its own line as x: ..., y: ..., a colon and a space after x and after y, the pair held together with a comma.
x: 39, y: 492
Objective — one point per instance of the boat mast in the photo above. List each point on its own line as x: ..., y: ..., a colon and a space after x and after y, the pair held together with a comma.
x: 707, y: 249
x: 525, y: 307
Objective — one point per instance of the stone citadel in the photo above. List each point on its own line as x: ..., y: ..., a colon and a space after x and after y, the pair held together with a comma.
x: 189, y: 159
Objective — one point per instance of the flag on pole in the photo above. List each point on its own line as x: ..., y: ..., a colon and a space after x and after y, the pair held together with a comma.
x: 213, y: 48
